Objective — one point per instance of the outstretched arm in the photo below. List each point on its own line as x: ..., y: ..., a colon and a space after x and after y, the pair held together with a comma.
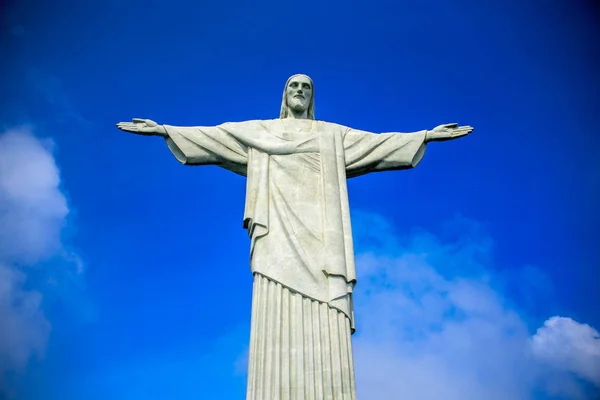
x: 367, y: 152
x: 196, y: 145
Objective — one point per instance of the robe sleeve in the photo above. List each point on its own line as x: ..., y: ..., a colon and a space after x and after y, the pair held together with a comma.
x: 207, y: 146
x: 369, y: 152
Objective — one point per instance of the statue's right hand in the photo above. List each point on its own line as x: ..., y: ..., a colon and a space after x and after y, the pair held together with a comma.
x: 141, y: 126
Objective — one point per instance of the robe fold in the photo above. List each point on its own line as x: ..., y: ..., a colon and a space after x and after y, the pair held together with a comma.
x: 301, y: 254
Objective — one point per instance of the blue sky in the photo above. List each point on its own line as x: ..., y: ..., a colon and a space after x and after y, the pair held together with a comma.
x: 125, y: 275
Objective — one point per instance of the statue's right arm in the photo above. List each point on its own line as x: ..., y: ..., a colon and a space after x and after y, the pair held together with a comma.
x: 196, y: 145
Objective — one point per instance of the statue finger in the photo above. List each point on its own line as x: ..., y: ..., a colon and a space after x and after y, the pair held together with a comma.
x: 127, y: 127
x: 139, y: 120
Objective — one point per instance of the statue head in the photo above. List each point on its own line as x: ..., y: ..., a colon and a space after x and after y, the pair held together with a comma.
x: 298, y: 96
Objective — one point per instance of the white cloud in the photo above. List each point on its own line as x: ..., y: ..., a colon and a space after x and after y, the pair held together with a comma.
x: 24, y: 329
x: 432, y: 324
x: 568, y: 345
x: 32, y: 213
x: 32, y: 208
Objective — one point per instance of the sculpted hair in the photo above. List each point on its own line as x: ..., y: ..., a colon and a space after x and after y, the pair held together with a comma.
x: 310, y: 114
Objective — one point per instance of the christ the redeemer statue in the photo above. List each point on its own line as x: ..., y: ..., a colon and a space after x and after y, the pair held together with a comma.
x: 298, y: 221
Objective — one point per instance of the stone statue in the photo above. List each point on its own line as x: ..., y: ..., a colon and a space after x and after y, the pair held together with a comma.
x: 298, y: 221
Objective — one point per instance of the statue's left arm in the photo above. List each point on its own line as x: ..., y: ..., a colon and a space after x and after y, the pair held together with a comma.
x: 369, y: 152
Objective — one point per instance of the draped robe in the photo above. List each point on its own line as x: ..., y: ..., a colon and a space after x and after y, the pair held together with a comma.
x: 301, y: 254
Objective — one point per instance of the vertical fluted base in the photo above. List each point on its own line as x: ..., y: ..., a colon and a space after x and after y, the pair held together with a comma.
x: 300, y: 348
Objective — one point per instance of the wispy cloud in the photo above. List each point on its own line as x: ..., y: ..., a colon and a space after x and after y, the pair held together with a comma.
x: 32, y: 206
x: 432, y: 323
x: 53, y: 91
x: 24, y: 329
x: 33, y: 211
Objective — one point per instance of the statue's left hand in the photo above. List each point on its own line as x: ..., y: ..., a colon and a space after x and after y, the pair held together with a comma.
x: 447, y: 132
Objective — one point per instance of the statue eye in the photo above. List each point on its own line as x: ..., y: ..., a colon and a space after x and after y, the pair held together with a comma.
x: 306, y: 86
x: 294, y: 84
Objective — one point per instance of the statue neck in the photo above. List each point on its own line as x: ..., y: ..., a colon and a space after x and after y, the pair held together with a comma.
x: 297, y: 114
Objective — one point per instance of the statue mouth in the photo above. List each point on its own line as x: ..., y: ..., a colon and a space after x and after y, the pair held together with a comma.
x: 299, y: 96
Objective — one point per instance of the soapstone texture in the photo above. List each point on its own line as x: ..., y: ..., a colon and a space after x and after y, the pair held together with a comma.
x: 298, y: 220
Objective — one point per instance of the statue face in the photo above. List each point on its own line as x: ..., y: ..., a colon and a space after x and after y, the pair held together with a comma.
x: 299, y: 93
